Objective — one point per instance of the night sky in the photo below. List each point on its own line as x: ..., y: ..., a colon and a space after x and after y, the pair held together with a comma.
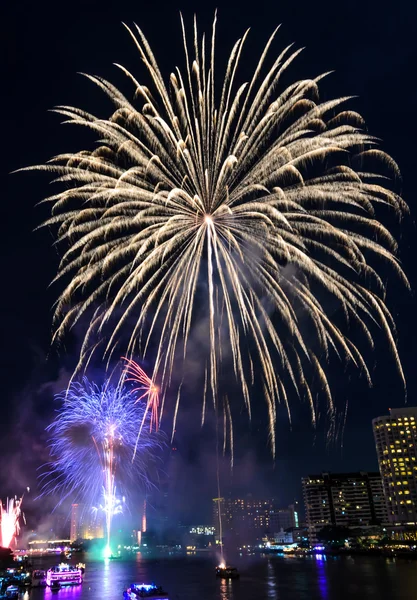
x: 370, y: 44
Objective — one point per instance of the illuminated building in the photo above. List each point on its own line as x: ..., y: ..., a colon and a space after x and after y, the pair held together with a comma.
x: 281, y: 519
x: 199, y: 537
x: 219, y: 508
x: 244, y: 520
x: 144, y: 517
x: 75, y: 531
x: 343, y: 499
x: 396, y: 446
x: 40, y: 546
x: 85, y: 524
x: 92, y: 527
x: 202, y: 530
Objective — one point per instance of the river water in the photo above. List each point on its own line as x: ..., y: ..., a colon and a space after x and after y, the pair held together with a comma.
x: 269, y: 578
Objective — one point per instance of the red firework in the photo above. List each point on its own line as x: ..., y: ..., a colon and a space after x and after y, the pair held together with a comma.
x: 146, y: 388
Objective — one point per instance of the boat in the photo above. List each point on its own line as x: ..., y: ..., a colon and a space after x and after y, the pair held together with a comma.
x: 12, y: 591
x: 81, y: 566
x: 38, y: 578
x: 64, y: 575
x: 145, y: 590
x: 113, y: 557
x: 227, y: 572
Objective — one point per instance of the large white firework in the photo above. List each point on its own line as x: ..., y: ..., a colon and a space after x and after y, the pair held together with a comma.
x: 252, y: 200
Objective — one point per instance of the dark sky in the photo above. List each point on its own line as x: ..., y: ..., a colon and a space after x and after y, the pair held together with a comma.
x: 370, y: 44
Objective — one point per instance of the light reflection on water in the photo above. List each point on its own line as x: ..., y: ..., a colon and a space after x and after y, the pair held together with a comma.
x: 226, y: 589
x: 271, y: 582
x: 322, y: 576
x: 65, y: 593
x: 269, y: 578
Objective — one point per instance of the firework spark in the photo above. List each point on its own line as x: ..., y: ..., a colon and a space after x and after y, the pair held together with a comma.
x: 94, y: 437
x: 146, y: 389
x: 259, y: 200
x: 9, y: 520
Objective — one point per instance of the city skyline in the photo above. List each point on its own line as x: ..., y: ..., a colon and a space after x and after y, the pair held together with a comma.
x: 229, y: 236
x: 347, y: 500
x: 27, y: 401
x: 243, y: 485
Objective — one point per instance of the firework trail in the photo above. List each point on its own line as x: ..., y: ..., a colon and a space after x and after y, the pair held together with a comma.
x: 146, y: 388
x: 9, y: 520
x: 259, y: 197
x: 93, y: 439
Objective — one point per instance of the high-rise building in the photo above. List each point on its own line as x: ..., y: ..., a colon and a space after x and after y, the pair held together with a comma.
x: 220, y: 518
x: 85, y: 525
x: 343, y: 499
x: 281, y: 519
x: 92, y: 526
x: 244, y: 520
x: 396, y: 446
x: 75, y: 530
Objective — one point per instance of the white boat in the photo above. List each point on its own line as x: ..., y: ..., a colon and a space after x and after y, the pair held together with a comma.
x: 38, y: 578
x: 64, y: 575
x: 137, y: 591
x: 12, y: 591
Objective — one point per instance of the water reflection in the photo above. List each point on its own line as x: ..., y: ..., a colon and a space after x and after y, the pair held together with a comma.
x: 226, y: 589
x: 271, y: 582
x: 65, y: 593
x: 322, y: 576
x: 261, y: 578
x: 106, y: 578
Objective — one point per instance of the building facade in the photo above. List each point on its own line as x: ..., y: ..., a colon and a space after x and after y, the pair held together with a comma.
x: 396, y: 446
x: 199, y: 537
x: 281, y: 519
x: 85, y: 524
x: 344, y: 500
x: 75, y: 528
x: 244, y: 520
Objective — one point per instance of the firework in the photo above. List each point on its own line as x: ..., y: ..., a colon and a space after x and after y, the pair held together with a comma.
x: 146, y: 389
x: 93, y: 439
x: 241, y: 208
x: 9, y: 520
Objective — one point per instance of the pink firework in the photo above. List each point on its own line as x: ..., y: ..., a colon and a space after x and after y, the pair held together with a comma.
x: 146, y: 389
x: 9, y: 520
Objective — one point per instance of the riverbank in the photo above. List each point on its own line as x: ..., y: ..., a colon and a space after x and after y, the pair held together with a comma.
x: 377, y: 553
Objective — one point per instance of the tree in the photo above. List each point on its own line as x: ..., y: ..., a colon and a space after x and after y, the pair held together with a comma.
x: 334, y: 535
